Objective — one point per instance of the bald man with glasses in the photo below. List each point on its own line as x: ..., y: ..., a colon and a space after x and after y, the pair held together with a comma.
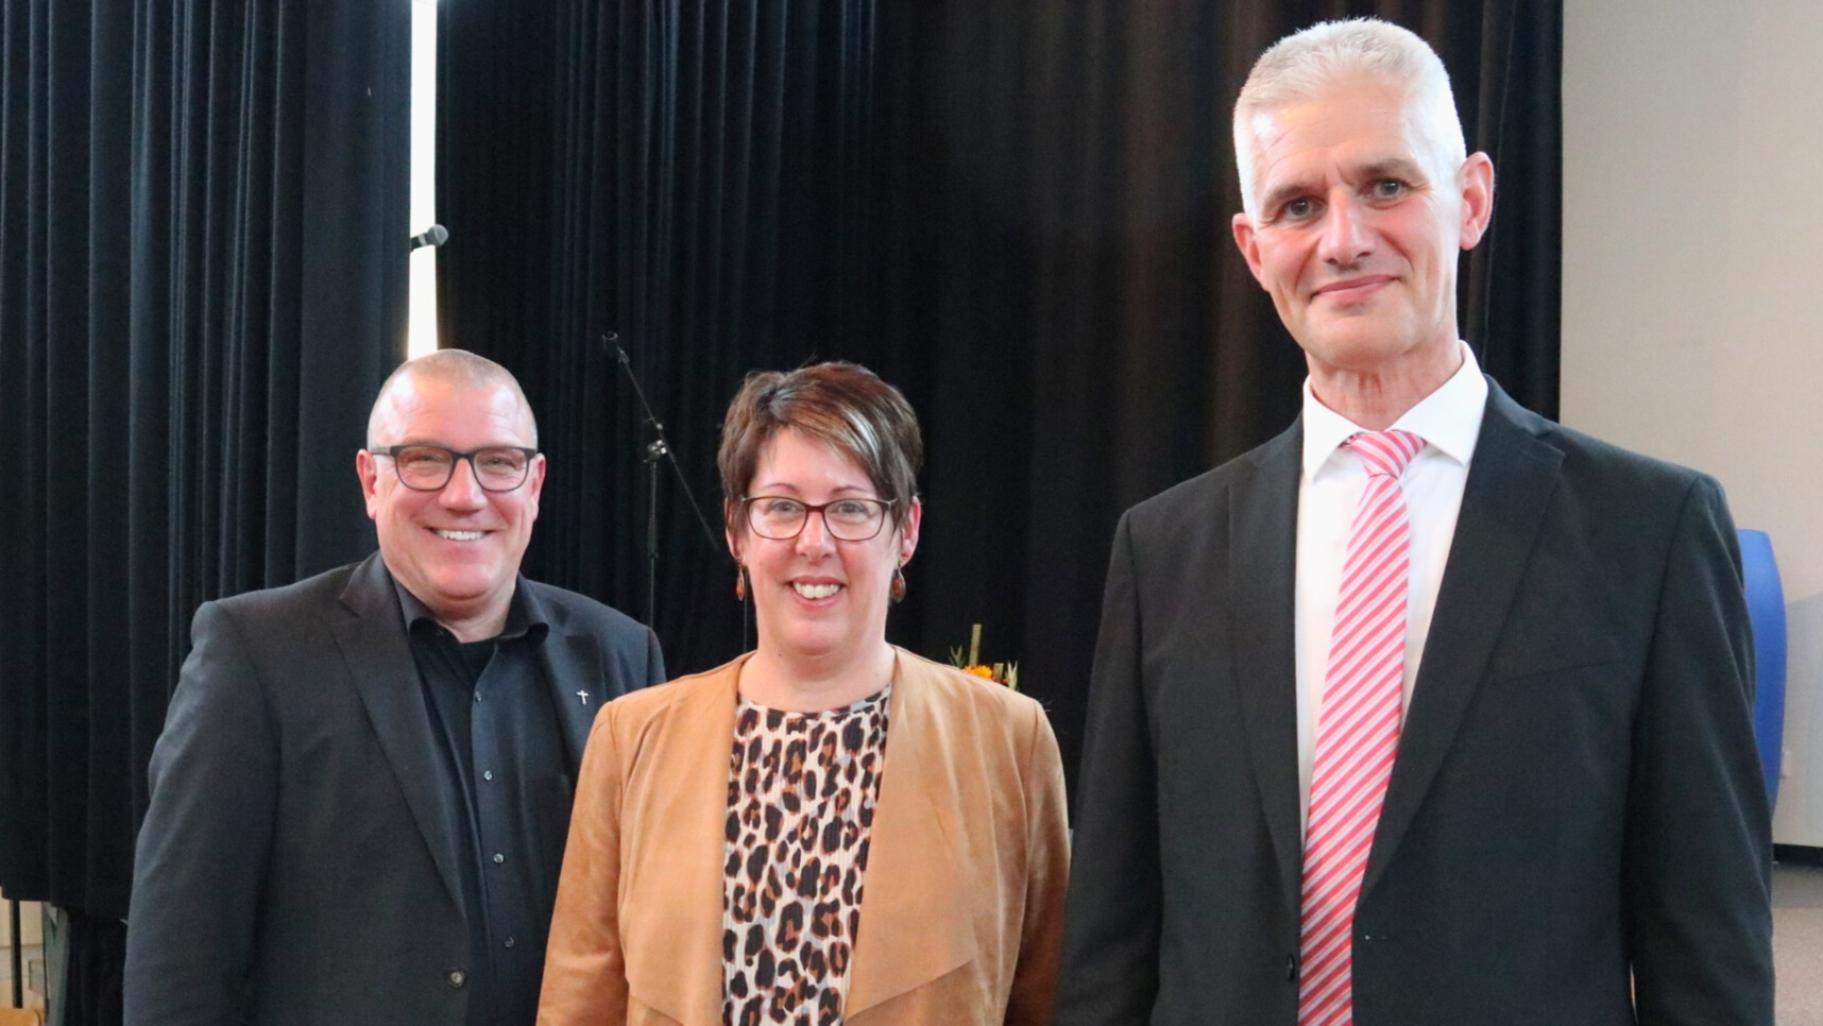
x: 360, y: 799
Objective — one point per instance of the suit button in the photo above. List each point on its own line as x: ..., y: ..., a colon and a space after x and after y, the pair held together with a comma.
x: 1291, y: 968
x: 457, y: 977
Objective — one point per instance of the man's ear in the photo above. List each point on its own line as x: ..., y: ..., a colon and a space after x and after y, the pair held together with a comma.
x: 369, y: 472
x: 535, y: 481
x: 1476, y: 183
x: 1247, y: 241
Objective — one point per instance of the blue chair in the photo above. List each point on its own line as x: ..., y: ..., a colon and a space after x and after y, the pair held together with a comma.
x: 1766, y: 609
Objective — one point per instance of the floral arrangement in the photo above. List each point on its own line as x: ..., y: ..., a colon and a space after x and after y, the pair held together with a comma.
x: 999, y: 673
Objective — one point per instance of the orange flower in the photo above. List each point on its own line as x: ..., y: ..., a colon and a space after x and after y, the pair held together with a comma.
x: 979, y: 671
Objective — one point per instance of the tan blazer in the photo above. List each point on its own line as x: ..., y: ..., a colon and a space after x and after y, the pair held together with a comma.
x: 962, y: 913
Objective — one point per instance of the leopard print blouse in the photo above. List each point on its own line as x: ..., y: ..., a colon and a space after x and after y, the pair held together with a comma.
x: 802, y: 789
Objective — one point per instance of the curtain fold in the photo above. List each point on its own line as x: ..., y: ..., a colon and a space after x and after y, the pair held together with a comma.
x: 202, y: 283
x: 1017, y: 213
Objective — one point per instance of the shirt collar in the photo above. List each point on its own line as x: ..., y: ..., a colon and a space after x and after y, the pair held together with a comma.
x: 1449, y: 419
x: 524, y: 614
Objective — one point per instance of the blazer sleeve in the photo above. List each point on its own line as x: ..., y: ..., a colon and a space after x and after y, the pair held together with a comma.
x: 1698, y: 850
x: 201, y: 855
x: 585, y: 980
x: 1111, y: 932
x: 1047, y: 874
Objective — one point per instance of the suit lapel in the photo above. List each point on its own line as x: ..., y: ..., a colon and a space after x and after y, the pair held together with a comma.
x: 672, y: 922
x: 916, y: 921
x: 379, y: 661
x: 1503, y: 504
x: 574, y: 672
x: 1262, y: 552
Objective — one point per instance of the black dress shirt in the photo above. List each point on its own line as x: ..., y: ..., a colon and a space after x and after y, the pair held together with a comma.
x: 490, y: 704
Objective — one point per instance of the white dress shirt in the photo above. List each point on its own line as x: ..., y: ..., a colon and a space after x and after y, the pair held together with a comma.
x: 1449, y: 421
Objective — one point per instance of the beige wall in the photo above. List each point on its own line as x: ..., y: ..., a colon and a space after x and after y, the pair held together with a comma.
x: 1693, y: 288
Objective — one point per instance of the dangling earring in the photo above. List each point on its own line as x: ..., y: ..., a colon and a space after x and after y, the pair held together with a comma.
x: 898, y: 588
x: 740, y: 582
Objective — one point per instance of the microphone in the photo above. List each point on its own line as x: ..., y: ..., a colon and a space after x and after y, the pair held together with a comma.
x: 610, y: 343
x: 435, y: 235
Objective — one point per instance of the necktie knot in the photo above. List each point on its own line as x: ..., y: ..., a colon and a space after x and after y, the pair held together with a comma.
x: 1385, y: 453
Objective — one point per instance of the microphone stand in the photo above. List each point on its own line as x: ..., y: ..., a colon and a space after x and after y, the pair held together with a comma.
x: 656, y: 450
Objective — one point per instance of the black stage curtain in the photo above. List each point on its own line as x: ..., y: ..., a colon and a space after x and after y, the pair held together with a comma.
x: 202, y: 283
x: 1016, y: 212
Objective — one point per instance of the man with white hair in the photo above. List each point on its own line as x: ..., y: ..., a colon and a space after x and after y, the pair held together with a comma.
x: 1429, y: 710
x: 362, y: 792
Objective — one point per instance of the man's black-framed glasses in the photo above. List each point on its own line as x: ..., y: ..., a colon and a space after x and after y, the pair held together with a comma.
x: 428, y: 468
x: 782, y: 518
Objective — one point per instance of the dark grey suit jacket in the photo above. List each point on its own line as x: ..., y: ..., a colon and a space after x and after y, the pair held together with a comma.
x: 1575, y: 799
x: 297, y: 863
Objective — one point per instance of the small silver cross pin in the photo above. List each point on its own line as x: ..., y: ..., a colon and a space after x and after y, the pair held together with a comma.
x: 584, y: 695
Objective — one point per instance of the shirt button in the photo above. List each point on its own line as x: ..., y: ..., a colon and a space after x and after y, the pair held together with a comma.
x: 457, y: 977
x: 509, y: 942
x: 499, y: 858
x: 487, y: 774
x: 477, y: 696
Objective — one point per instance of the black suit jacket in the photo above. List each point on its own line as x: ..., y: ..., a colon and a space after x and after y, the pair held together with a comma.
x: 1575, y: 799
x: 297, y: 864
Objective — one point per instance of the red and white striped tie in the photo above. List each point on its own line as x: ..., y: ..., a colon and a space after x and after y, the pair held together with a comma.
x: 1357, y: 728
